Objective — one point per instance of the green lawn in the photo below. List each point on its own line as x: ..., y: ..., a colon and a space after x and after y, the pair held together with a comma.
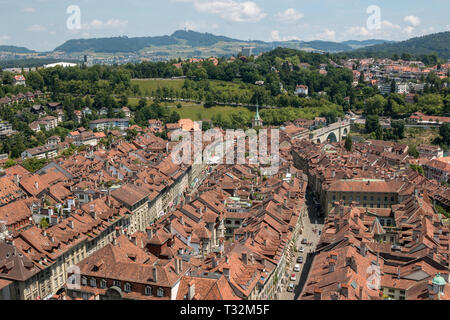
x: 199, y: 112
x: 147, y: 86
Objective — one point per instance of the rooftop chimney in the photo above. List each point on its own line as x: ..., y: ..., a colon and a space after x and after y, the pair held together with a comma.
x: 155, y: 274
x: 244, y: 258
x: 363, y: 249
x: 344, y: 290
x: 191, y: 290
x: 317, y: 294
x: 177, y: 266
x: 149, y: 233
x: 226, y: 272
x: 36, y: 185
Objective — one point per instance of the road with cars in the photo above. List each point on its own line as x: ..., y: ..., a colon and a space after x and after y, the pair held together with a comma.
x: 306, y: 244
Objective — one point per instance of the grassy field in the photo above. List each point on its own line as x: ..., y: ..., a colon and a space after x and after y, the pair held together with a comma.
x: 199, y: 112
x: 147, y: 86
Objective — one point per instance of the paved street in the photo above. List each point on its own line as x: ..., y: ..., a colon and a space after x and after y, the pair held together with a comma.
x: 310, y: 222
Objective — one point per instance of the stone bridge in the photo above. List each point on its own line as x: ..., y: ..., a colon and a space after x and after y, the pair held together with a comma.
x: 335, y: 132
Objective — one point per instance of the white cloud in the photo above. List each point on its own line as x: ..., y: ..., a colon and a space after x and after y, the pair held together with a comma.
x: 36, y: 28
x: 4, y: 38
x: 275, y: 36
x: 189, y: 25
x: 229, y: 10
x: 110, y: 24
x: 389, y: 25
x: 358, y: 31
x: 327, y: 35
x: 415, y: 21
x: 289, y: 16
x: 408, y: 30
x: 29, y: 9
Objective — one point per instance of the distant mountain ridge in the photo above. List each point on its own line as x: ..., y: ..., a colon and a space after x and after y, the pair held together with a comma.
x: 197, y: 39
x: 14, y: 49
x: 434, y: 43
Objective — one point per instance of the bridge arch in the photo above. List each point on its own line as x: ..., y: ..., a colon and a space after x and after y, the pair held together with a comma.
x: 332, y: 137
x: 345, y: 132
x: 318, y: 141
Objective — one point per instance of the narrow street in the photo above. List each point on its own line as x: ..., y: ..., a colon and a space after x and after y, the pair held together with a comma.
x: 312, y: 224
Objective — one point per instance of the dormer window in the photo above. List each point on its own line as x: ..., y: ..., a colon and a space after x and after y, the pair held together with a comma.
x: 148, y: 291
x: 127, y: 287
x: 160, y: 292
x: 93, y: 282
x: 84, y: 281
x: 103, y: 284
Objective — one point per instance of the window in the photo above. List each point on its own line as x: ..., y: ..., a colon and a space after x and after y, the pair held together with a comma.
x: 160, y: 292
x: 103, y: 284
x: 93, y: 282
x: 365, y: 197
x: 148, y: 291
x: 84, y: 281
x: 127, y: 287
x: 116, y: 283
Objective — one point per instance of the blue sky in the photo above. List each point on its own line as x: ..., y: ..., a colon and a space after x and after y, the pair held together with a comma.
x: 41, y: 24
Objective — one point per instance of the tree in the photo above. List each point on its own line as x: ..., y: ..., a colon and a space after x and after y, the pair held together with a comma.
x: 418, y: 168
x: 412, y: 151
x: 348, y: 143
x: 35, y: 81
x: 9, y: 163
x: 372, y: 123
x: 393, y: 86
x: 44, y: 223
x: 444, y: 132
x: 398, y: 129
x: 174, y: 117
x: 375, y: 105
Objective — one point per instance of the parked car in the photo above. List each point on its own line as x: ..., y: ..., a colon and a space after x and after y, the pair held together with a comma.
x: 291, y: 287
x: 304, y: 241
x: 301, y: 250
x: 297, y: 268
x: 300, y: 260
x: 293, y: 277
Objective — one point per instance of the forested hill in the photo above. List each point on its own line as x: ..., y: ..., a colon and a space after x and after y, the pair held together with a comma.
x: 438, y: 43
x: 14, y: 49
x: 125, y: 44
x: 201, y: 40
